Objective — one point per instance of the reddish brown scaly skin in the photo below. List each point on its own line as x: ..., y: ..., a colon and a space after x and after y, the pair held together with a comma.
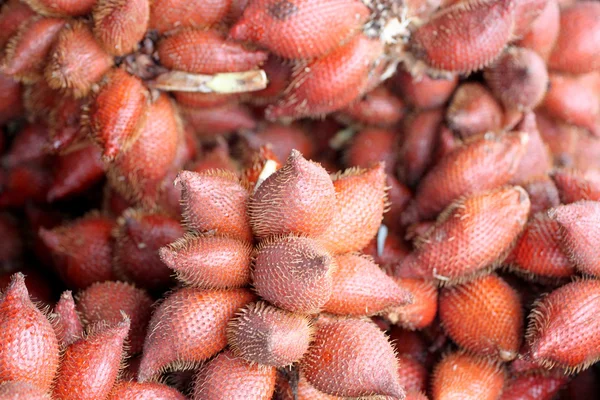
x: 11, y: 93
x: 580, y: 234
x: 537, y: 160
x: 231, y: 377
x: 498, y: 328
x: 304, y: 390
x: 295, y: 29
x: 116, y: 112
x: 518, y: 78
x: 420, y: 131
x: 413, y: 374
x: 75, y: 172
x: 15, y: 390
x: 165, y: 15
x: 219, y: 120
x: 577, y: 47
x: 359, y: 206
x: 487, y: 27
x: 120, y: 24
x: 473, y: 111
x: 64, y: 123
x: 361, y: 288
x: 12, y: 14
x: 25, y: 183
x: 26, y: 51
x: 423, y: 309
x: 469, y: 236
x: 285, y: 138
x: 370, y: 146
x: 198, y: 319
x: 379, y: 107
x: 486, y: 162
x: 562, y: 331
x: 424, y: 92
x: 533, y: 387
x: 542, y: 193
x: 364, y: 362
x: 135, y: 255
x: 141, y: 391
x: 409, y: 343
x: 543, y: 31
x: 209, y: 262
x: 82, y: 250
x: 462, y: 376
x: 76, y: 61
x: 206, y: 52
x: 329, y: 83
x: 574, y: 185
x: 39, y: 100
x: 298, y: 198
x: 538, y: 251
x: 28, y: 346
x: 90, y: 366
x: 104, y: 301
x: 62, y: 8
x: 525, y: 12
x: 399, y: 196
x: 67, y: 323
x: 29, y: 144
x: 265, y: 335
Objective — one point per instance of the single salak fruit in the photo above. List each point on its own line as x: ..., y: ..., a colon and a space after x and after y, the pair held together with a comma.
x: 474, y: 110
x: 125, y: 390
x: 577, y: 48
x: 297, y: 198
x: 533, y: 386
x: 183, y: 315
x: 352, y: 357
x: 485, y: 163
x: 206, y: 52
x: 462, y: 376
x: 421, y: 313
x: 563, y: 330
x: 230, y: 377
x: 538, y: 251
x: 67, y: 324
x: 215, y: 201
x: 580, y: 233
x: 82, y: 250
x: 295, y: 29
x: 166, y: 15
x: 424, y: 92
x: 62, y: 8
x: 293, y: 273
x: 16, y: 390
x: 370, y: 146
x: 266, y: 335
x: 483, y: 316
x: 329, y: 83
x: 25, y: 53
x: 543, y: 31
x: 379, y: 107
x: 209, y: 262
x: 28, y: 347
x: 120, y: 25
x: 486, y: 27
x: 139, y: 235
x: 116, y: 112
x: 574, y: 185
x: 90, y: 366
x: 360, y: 201
x: 518, y: 78
x: 542, y: 193
x: 472, y: 234
x: 77, y: 61
x: 361, y: 288
x: 104, y: 301
x: 12, y: 14
x: 536, y: 161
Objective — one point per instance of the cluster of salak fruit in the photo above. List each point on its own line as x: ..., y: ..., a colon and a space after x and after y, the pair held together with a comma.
x: 484, y: 273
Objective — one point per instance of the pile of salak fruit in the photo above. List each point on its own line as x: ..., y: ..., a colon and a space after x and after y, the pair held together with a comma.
x: 299, y: 199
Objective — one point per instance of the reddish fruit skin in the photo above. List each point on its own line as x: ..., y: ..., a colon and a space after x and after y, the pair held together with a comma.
x: 11, y: 94
x: 485, y: 29
x: 62, y: 8
x: 67, y: 325
x: 28, y: 346
x: 543, y: 31
x: 574, y: 185
x: 473, y: 111
x: 166, y: 15
x: 230, y: 377
x: 218, y: 120
x: 12, y: 14
x: 285, y: 138
x: 542, y: 193
x: 352, y: 357
x: 64, y: 120
x: 329, y: 83
x: 379, y: 107
x: 297, y: 198
x: 577, y: 48
x: 497, y: 328
x: 105, y: 301
x: 82, y: 250
x: 562, y: 331
x: 533, y: 387
x: 461, y: 376
x: 24, y: 184
x: 90, y: 366
x: 139, y: 237
x: 206, y: 52
x: 16, y: 390
x: 421, y: 313
x: 424, y: 92
x: 198, y: 320
x: 469, y: 236
x: 525, y: 12
x: 295, y: 29
x: 120, y: 24
x: 29, y: 145
x: 370, y: 146
x: 144, y: 391
x: 536, y: 161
